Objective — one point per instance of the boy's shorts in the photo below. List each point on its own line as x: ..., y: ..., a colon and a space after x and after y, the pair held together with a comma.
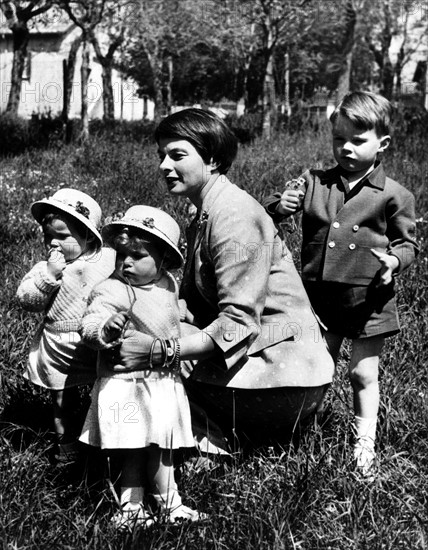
x: 355, y: 311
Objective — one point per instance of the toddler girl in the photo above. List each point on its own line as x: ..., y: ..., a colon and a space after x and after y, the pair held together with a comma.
x: 144, y: 412
x: 59, y: 287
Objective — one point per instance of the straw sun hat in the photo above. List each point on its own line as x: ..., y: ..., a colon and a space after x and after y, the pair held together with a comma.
x: 75, y: 203
x: 150, y: 220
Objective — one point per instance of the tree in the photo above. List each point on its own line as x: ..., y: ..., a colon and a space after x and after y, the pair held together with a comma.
x: 87, y: 15
x: 162, y: 31
x: 18, y: 13
x: 113, y: 27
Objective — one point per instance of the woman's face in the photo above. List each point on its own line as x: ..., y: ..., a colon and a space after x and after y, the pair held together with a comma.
x: 184, y: 170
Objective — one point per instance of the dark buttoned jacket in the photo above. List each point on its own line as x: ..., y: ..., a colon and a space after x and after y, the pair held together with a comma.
x: 341, y: 226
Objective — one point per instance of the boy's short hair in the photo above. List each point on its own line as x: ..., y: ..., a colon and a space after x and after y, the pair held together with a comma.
x: 366, y: 110
x: 210, y: 135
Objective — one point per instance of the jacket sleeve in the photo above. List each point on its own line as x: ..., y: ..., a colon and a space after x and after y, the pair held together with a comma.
x: 240, y: 249
x: 98, y: 311
x: 401, y: 229
x: 271, y: 202
x: 37, y: 288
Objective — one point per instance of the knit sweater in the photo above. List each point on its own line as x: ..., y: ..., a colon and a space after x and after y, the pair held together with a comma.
x: 64, y: 300
x: 153, y: 309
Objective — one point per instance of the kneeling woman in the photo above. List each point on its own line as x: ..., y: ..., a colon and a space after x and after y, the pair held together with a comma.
x: 254, y: 351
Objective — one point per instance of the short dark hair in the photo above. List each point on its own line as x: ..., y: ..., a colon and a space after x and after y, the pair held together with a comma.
x: 366, y: 110
x: 208, y: 133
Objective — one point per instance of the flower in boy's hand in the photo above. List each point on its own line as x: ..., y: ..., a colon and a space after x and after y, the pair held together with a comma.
x: 295, y: 184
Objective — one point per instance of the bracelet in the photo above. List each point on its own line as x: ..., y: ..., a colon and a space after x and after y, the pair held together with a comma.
x: 152, y: 349
x: 163, y: 352
x: 170, y: 353
x: 176, y: 365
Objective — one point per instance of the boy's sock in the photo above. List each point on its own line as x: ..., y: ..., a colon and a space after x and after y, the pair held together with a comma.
x: 365, y: 431
x: 364, y: 447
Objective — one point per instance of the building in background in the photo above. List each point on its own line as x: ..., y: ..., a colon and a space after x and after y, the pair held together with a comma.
x: 42, y: 89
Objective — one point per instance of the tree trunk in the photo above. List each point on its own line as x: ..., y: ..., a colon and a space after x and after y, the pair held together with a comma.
x: 347, y: 49
x: 287, y: 103
x: 269, y: 100
x: 170, y: 67
x: 21, y: 37
x: 108, y: 98
x: 156, y: 67
x: 85, y: 70
x: 68, y: 84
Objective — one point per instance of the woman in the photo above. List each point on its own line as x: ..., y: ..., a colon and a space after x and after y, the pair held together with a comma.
x: 256, y: 357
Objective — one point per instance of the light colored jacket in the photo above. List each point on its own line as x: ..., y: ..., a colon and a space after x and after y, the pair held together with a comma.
x: 241, y: 284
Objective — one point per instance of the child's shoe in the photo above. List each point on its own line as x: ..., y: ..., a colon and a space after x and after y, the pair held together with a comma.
x: 68, y: 453
x: 365, y: 459
x: 131, y: 516
x: 172, y: 510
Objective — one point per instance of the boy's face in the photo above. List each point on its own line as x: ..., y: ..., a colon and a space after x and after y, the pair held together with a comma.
x: 62, y: 236
x: 140, y: 266
x: 356, y: 149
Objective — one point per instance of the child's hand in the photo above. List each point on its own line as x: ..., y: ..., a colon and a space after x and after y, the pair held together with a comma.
x: 388, y: 263
x: 290, y: 201
x: 56, y: 263
x: 114, y: 326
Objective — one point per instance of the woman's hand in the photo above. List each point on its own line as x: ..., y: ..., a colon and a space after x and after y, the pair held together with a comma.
x: 135, y: 350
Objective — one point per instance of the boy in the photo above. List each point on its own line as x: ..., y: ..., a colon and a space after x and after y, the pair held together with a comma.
x: 358, y: 233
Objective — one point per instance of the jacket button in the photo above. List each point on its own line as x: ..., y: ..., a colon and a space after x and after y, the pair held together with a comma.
x: 336, y: 225
x: 352, y: 246
x: 356, y: 228
x: 331, y: 244
x: 227, y: 337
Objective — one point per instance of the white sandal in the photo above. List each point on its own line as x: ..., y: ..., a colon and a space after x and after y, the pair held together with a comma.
x: 132, y: 516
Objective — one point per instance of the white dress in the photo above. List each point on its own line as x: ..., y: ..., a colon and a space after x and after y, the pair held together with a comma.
x: 131, y: 410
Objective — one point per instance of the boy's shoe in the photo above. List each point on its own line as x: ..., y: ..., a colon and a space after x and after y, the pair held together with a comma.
x: 365, y: 460
x: 131, y: 516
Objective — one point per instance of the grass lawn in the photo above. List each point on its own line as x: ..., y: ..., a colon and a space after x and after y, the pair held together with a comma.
x: 303, y: 497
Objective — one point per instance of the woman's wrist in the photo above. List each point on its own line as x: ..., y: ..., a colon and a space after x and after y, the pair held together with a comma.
x: 165, y: 353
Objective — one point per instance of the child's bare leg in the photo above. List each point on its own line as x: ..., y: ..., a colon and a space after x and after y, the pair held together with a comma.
x: 64, y: 403
x: 364, y: 376
x: 160, y: 470
x: 132, y: 511
x: 160, y: 473
x: 131, y: 478
x: 66, y: 428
